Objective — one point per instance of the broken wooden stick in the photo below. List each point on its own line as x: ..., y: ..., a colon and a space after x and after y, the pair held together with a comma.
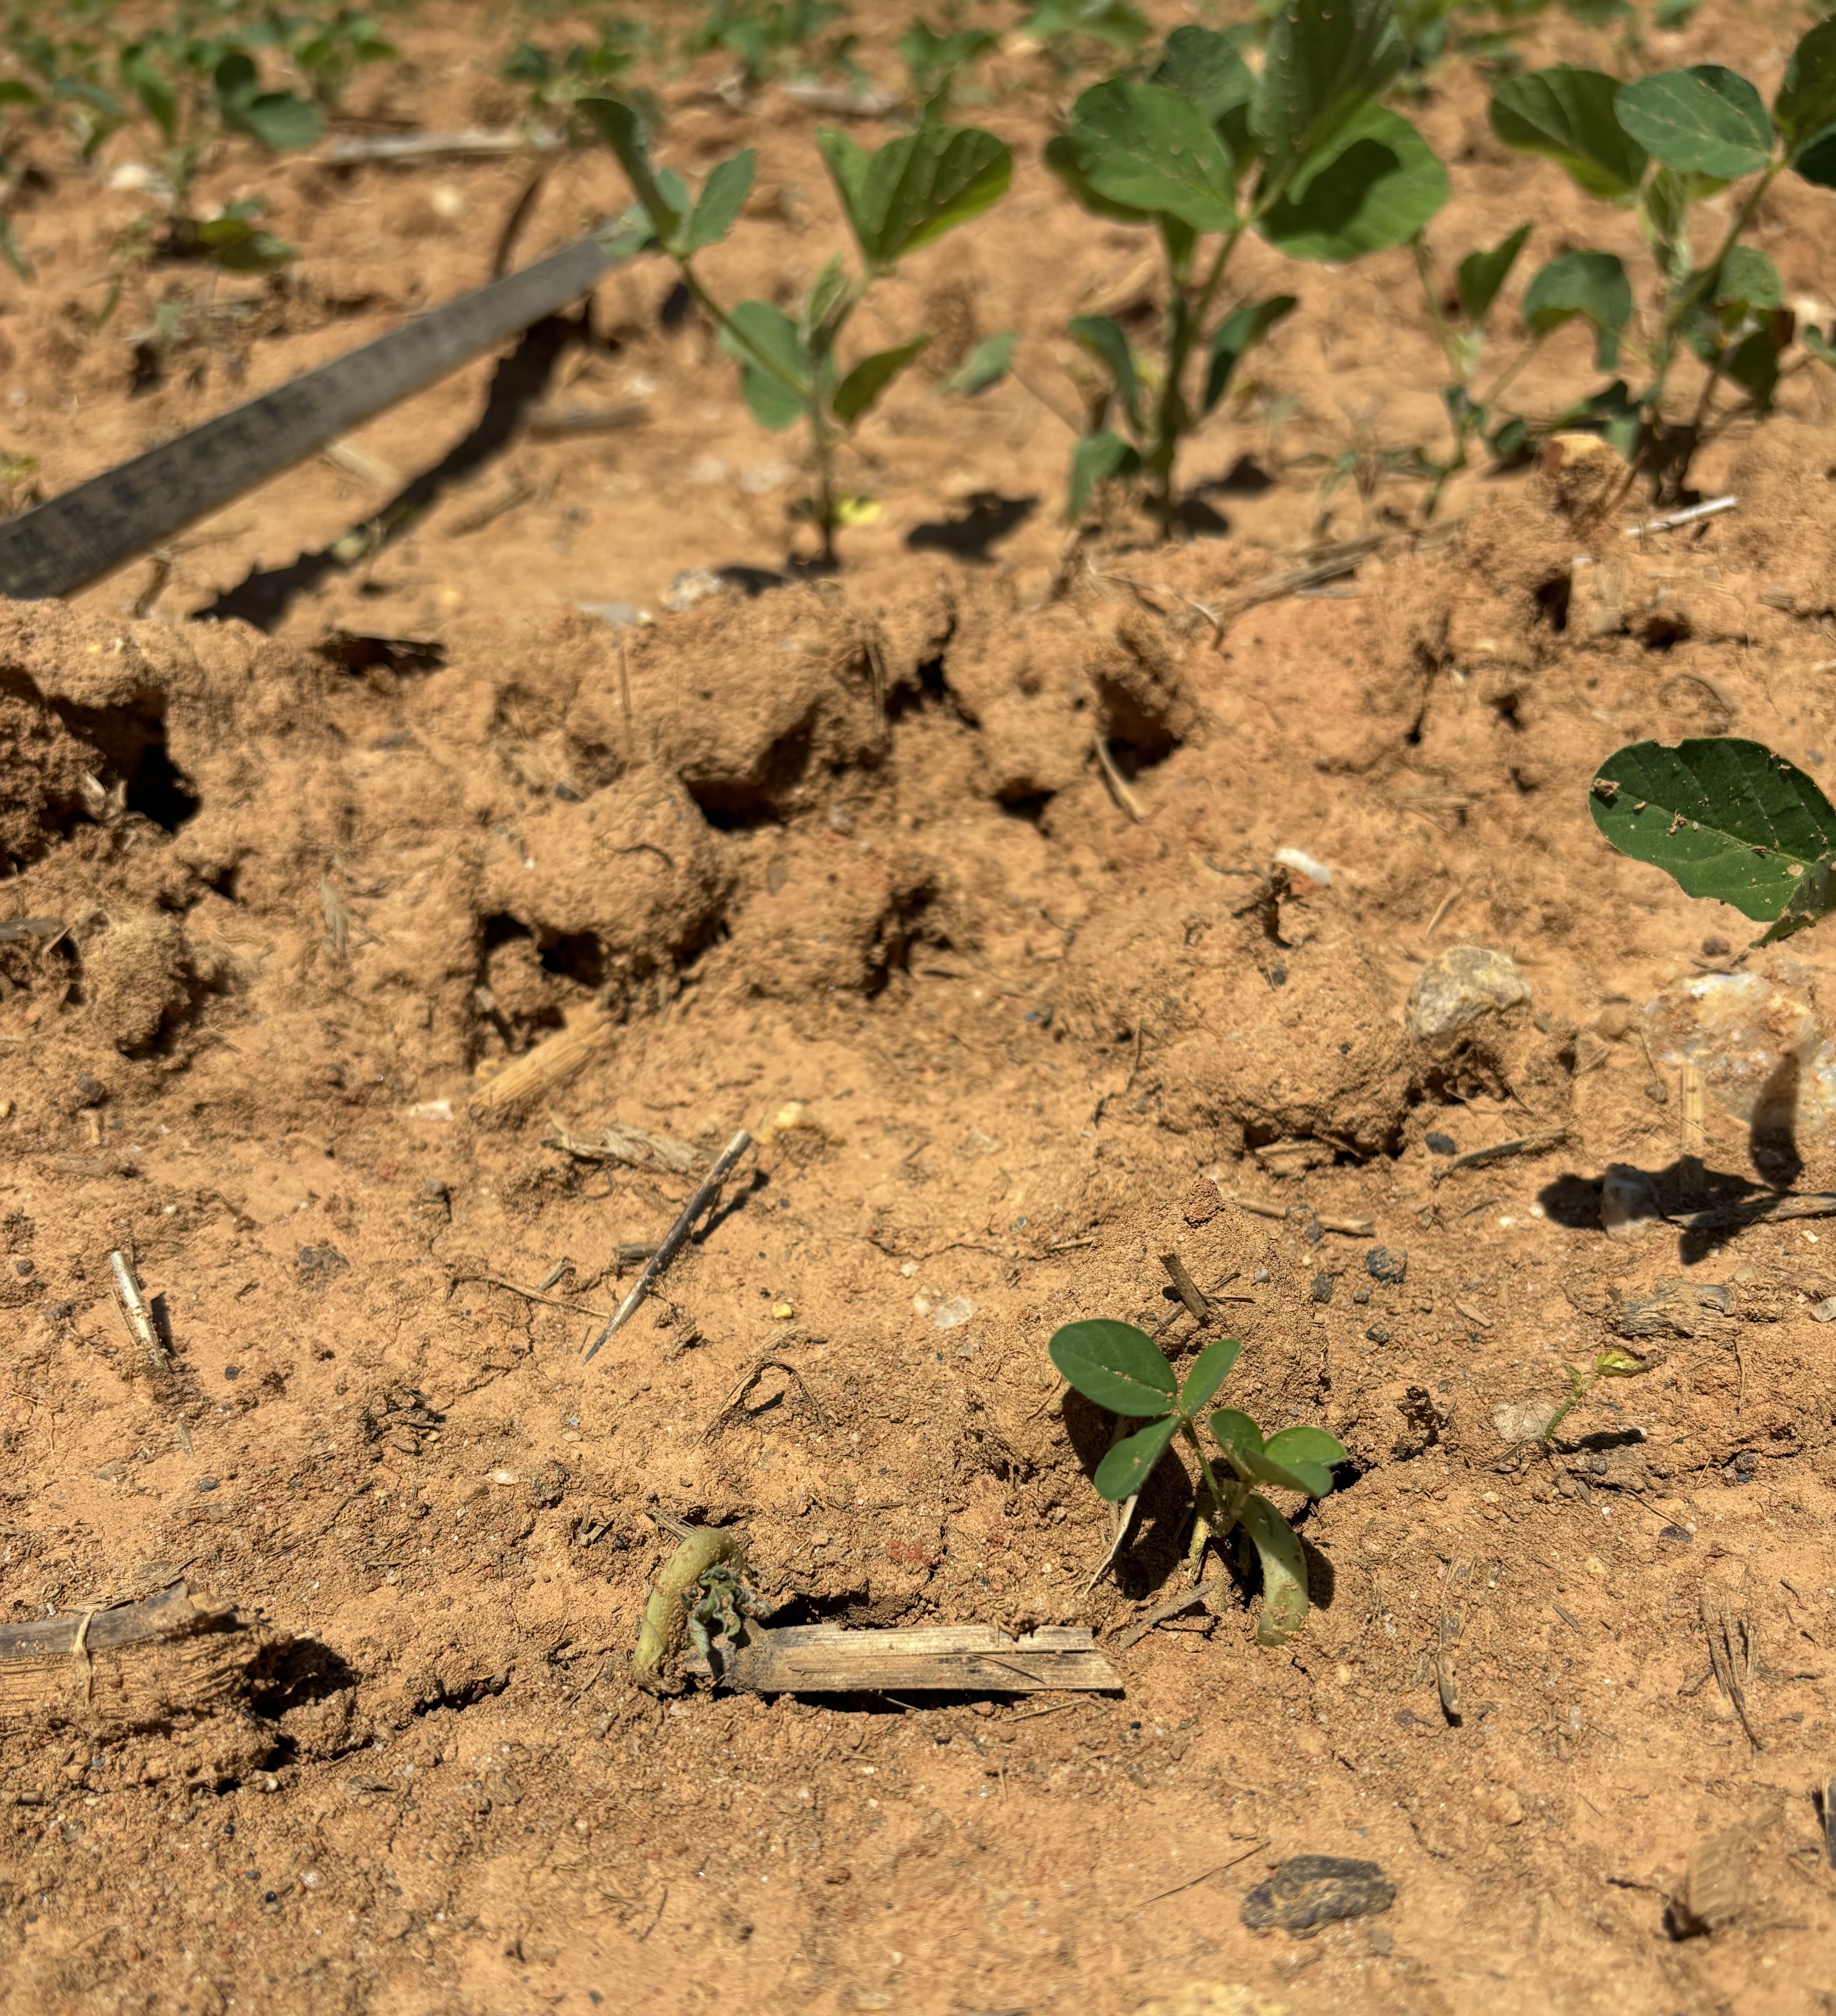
x: 972, y: 1658
x: 674, y: 1238
x: 133, y: 1666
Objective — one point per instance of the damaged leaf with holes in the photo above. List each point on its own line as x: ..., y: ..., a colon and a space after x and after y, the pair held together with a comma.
x: 1121, y: 1368
x: 1728, y: 819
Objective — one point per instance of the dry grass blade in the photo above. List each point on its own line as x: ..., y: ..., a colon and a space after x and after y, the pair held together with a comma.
x: 1205, y: 1596
x: 746, y: 1385
x: 631, y: 1146
x: 1728, y: 1653
x: 1479, y: 1158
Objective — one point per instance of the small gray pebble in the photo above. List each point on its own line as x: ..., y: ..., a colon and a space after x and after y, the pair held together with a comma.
x: 1377, y: 1334
x: 206, y: 1484
x: 1323, y: 1285
x: 1441, y: 1144
x: 1386, y: 1263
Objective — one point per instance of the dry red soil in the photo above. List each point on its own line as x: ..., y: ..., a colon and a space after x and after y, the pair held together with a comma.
x: 839, y: 862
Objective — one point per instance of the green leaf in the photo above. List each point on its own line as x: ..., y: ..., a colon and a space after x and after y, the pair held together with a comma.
x: 1700, y: 121
x: 1108, y: 342
x: 847, y: 162
x: 281, y: 122
x: 1705, y: 120
x: 986, y: 364
x: 915, y: 189
x: 14, y: 92
x: 760, y: 332
x: 1748, y: 278
x: 1095, y: 459
x: 1235, y: 336
x: 1124, y: 1469
x: 1117, y: 1366
x: 1237, y: 1430
x: 859, y: 392
x: 11, y: 250
x: 1209, y: 1370
x: 1203, y: 65
x: 1325, y: 59
x: 1060, y: 157
x: 1313, y: 1447
x: 158, y: 98
x: 1145, y: 147
x: 239, y: 247
x: 1591, y: 284
x: 723, y: 196
x: 1568, y: 115
x: 1820, y: 345
x: 1729, y: 820
x: 1284, y: 1572
x: 1481, y: 274
x: 1804, y: 109
x: 1379, y: 188
x: 623, y: 131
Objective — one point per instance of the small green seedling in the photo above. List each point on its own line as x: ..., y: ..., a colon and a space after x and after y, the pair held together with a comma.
x: 1730, y: 820
x: 1663, y: 146
x: 909, y: 193
x: 557, y: 82
x: 1206, y: 151
x: 1122, y: 1368
x: 763, y: 36
x: 1070, y: 31
x: 1611, y: 1363
x: 933, y: 62
x: 194, y: 89
x: 329, y: 51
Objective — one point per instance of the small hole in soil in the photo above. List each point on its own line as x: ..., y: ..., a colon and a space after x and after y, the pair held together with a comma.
x: 1664, y: 633
x: 1552, y: 601
x: 576, y: 955
x: 677, y: 305
x: 1027, y: 805
x: 159, y: 792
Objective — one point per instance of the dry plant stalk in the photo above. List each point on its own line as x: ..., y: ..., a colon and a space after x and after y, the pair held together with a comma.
x: 542, y: 1069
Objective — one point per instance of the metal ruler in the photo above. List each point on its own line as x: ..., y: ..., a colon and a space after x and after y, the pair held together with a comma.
x: 63, y: 544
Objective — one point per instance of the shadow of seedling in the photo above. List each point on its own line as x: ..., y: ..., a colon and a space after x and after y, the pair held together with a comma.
x: 1163, y: 1518
x: 970, y: 535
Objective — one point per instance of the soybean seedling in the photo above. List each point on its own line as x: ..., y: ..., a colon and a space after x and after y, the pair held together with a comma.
x: 911, y: 191
x: 1122, y: 1369
x: 761, y: 35
x: 1611, y: 1363
x: 1729, y: 820
x: 1206, y: 152
x: 1666, y: 145
x: 934, y: 61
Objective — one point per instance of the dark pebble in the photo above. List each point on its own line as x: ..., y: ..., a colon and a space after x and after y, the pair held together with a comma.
x: 1362, y: 1292
x: 23, y: 1268
x: 1442, y: 1144
x: 60, y: 1312
x: 1323, y: 1285
x: 232, y: 1372
x: 90, y: 1091
x: 1386, y: 1263
x: 1377, y: 1334
x: 206, y: 1484
x: 1677, y: 1536
x: 1316, y: 1890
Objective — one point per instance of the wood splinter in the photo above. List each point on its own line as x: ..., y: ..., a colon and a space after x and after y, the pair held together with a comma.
x: 142, y: 1329
x: 675, y: 1240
